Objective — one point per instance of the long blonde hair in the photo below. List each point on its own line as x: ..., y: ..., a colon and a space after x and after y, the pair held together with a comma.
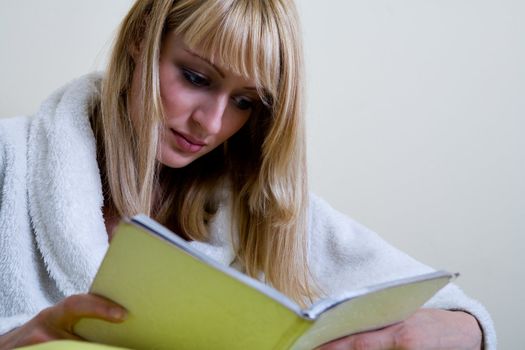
x: 262, y: 165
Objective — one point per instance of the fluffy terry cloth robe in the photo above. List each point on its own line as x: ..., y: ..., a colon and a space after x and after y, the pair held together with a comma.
x: 53, y: 237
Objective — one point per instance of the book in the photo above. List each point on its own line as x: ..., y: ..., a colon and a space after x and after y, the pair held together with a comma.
x: 69, y: 345
x: 179, y: 298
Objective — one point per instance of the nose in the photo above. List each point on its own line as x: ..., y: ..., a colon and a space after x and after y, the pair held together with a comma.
x: 209, y: 114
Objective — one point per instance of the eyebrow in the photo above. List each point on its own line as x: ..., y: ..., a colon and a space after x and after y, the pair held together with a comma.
x: 205, y: 60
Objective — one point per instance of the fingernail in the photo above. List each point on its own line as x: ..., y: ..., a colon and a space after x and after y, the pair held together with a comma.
x: 117, y: 313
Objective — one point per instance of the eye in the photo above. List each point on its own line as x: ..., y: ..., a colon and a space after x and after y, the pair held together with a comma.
x: 195, y: 78
x: 243, y: 103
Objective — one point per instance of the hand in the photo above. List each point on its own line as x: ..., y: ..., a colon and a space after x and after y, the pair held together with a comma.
x: 426, y: 329
x: 57, y: 322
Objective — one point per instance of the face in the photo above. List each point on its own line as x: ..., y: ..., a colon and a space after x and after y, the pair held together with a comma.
x: 204, y: 104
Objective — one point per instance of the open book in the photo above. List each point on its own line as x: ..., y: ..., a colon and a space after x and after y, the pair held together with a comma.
x: 178, y: 298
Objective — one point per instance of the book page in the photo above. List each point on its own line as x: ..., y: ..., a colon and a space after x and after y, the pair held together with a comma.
x: 374, y: 310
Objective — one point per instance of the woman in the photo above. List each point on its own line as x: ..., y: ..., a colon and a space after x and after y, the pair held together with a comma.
x: 198, y: 123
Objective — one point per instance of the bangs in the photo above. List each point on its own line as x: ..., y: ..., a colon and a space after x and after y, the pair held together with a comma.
x: 241, y: 36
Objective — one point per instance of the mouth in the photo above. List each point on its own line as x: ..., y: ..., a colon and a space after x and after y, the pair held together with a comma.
x: 187, y: 143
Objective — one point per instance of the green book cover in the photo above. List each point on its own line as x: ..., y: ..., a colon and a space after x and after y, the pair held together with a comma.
x: 178, y: 298
x: 70, y: 345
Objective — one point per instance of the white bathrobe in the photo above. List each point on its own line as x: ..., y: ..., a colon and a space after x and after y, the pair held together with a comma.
x: 53, y: 237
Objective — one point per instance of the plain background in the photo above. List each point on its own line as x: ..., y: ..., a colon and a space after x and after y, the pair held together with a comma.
x: 416, y: 117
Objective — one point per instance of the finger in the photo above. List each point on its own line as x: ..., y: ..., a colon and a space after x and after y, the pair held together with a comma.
x: 380, y: 340
x: 56, y: 334
x: 383, y: 339
x: 42, y: 335
x: 69, y: 335
x: 75, y: 307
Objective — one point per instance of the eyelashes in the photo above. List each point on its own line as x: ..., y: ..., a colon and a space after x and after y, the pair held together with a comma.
x: 243, y: 103
x: 195, y: 78
x: 200, y: 81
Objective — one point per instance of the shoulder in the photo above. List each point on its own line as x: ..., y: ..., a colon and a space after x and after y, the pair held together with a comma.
x: 13, y: 138
x: 340, y: 246
x: 327, y: 224
x: 11, y: 129
x: 336, y: 236
x: 72, y: 99
x: 341, y: 235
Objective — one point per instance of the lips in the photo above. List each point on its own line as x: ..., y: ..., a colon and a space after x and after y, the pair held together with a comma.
x: 187, y: 143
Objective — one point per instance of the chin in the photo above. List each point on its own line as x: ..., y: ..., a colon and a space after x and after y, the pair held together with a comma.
x: 174, y: 163
x: 174, y: 160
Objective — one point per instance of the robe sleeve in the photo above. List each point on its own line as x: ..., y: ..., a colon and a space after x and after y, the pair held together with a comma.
x: 358, y: 257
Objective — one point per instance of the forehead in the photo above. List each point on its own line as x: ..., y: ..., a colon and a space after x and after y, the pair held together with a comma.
x: 239, y: 38
x: 174, y: 44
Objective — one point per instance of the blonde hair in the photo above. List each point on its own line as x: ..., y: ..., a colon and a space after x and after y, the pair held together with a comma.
x: 262, y: 165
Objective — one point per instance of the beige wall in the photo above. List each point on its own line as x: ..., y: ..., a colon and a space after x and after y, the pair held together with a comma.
x: 416, y: 119
x: 44, y: 44
x: 417, y: 124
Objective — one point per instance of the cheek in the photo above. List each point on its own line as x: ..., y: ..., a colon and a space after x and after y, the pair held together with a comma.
x: 170, y: 95
x: 175, y: 96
